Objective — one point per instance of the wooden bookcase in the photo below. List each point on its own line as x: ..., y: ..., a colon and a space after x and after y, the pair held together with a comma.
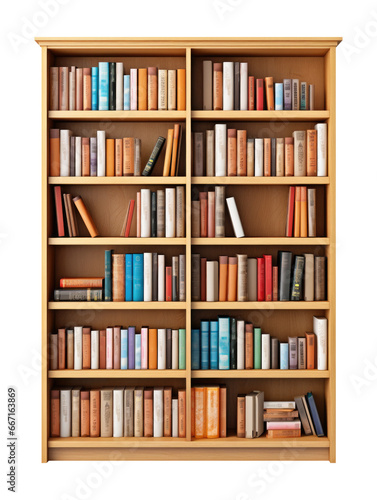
x: 262, y: 206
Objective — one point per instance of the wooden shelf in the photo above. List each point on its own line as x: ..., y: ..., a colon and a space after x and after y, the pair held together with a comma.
x: 289, y: 374
x: 119, y: 116
x: 289, y: 305
x: 112, y: 241
x: 126, y: 374
x: 122, y: 181
x: 117, y: 305
x: 261, y: 116
x: 260, y: 241
x: 274, y: 181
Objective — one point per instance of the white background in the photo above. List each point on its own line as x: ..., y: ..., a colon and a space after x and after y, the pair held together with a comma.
x: 20, y: 214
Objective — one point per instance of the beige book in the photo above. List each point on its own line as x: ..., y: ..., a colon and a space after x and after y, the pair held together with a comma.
x: 54, y: 88
x: 138, y: 411
x: 312, y: 211
x: 180, y: 217
x: 106, y: 412
x: 76, y: 408
x: 219, y: 211
x: 195, y: 219
x: 162, y: 89
x: 128, y: 412
x: 250, y: 157
x: 212, y: 281
x: 280, y: 157
x: 137, y: 156
x: 160, y: 213
x: 207, y: 85
x: 242, y: 278
x: 252, y: 279
x: 210, y: 153
x: 299, y: 151
x: 70, y: 353
x: 172, y: 89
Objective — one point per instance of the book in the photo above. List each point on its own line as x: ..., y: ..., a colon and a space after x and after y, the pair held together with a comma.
x: 86, y: 217
x: 235, y: 218
x: 154, y: 156
x: 320, y: 331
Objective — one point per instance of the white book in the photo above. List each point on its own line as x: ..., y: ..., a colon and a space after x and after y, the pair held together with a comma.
x: 212, y: 281
x: 320, y: 330
x: 172, y: 86
x: 119, y: 86
x: 244, y: 77
x: 78, y: 156
x: 235, y: 218
x: 118, y: 413
x: 147, y: 277
x: 252, y: 279
x: 309, y: 277
x: 290, y: 405
x: 101, y: 153
x: 174, y: 418
x: 174, y: 349
x: 133, y: 89
x: 77, y: 349
x: 145, y: 219
x: 258, y: 162
x: 162, y: 89
x: 321, y: 129
x: 170, y: 212
x: 240, y: 344
x: 161, y: 278
x: 266, y: 351
x: 158, y: 412
x: 94, y: 349
x: 65, y: 413
x: 65, y: 152
x: 220, y: 149
x: 161, y: 349
x: 228, y: 86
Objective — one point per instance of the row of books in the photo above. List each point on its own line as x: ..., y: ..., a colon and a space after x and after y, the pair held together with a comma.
x: 301, y: 212
x: 226, y: 151
x: 244, y: 279
x: 230, y: 344
x: 66, y: 215
x: 118, y: 412
x: 208, y: 412
x: 228, y: 86
x: 118, y: 348
x: 106, y: 87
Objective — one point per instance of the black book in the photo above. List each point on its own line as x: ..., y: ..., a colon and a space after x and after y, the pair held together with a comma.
x: 284, y: 265
x: 297, y: 278
x: 273, y: 157
x: 112, y: 86
x: 154, y: 156
x: 175, y: 297
x: 154, y: 276
x: 275, y: 347
x: 154, y: 214
x: 233, y: 344
x: 168, y: 349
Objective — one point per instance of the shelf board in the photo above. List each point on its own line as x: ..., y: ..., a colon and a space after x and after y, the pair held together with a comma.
x: 289, y: 305
x: 120, y: 116
x: 274, y: 181
x: 260, y: 241
x: 134, y: 181
x: 112, y: 241
x: 108, y: 374
x: 100, y: 305
x: 261, y: 116
x: 242, y: 374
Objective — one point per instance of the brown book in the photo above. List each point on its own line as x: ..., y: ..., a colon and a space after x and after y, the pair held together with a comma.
x: 297, y: 212
x: 249, y: 346
x: 138, y: 411
x: 72, y: 88
x: 181, y: 89
x: 232, y: 279
x: 131, y: 203
x: 63, y: 88
x: 67, y: 216
x: 102, y: 349
x: 192, y: 411
x: 61, y: 349
x: 203, y: 279
x: 85, y: 156
x: 241, y: 416
x: 110, y: 157
x: 217, y: 86
x: 85, y: 414
x: 203, y: 197
x: 223, y: 420
x: 310, y: 351
x: 106, y: 423
x: 116, y: 361
x: 86, y: 353
x: 95, y: 405
x: 167, y: 411
x: 55, y: 413
x: 251, y: 93
x: 267, y: 156
x: 168, y: 153
x: 54, y: 88
x: 275, y: 282
x: 223, y: 278
x: 54, y: 152
x: 152, y: 349
x: 53, y: 351
x: 303, y: 212
x: 148, y: 412
x: 279, y: 157
x: 128, y: 156
x: 200, y: 413
x: 198, y: 154
x: 86, y: 217
x: 177, y: 135
x: 320, y: 278
x: 311, y: 152
x: 118, y: 277
x: 142, y: 82
x: 283, y: 433
x: 195, y: 276
x: 79, y: 89
x: 119, y: 157
x: 87, y: 90
x: 210, y: 153
x: 180, y: 212
x: 288, y: 156
x: 195, y: 219
x: 207, y: 85
x: 70, y: 350
x: 152, y: 88
x: 278, y: 415
x: 232, y: 152
x: 72, y: 215
x: 241, y: 152
x: 211, y: 214
x: 270, y: 93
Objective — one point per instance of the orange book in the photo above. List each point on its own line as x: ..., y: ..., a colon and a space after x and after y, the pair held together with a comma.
x: 61, y: 349
x: 217, y: 86
x: 87, y: 89
x: 142, y: 82
x: 232, y: 152
x: 167, y: 411
x: 310, y: 351
x: 86, y: 348
x: 232, y: 279
x: 181, y: 413
x: 192, y: 411
x: 241, y: 152
x: 181, y: 89
x: 148, y: 412
x: 168, y: 153
x: 118, y: 268
x: 54, y: 152
x: 85, y: 414
x: 288, y: 156
x: 152, y: 349
x: 270, y: 93
x: 200, y: 415
x: 304, y: 212
x: 118, y: 157
x: 203, y: 197
x: 222, y: 411
x: 249, y: 346
x: 267, y: 157
x: 102, y: 349
x: 311, y: 152
x: 297, y: 215
x: 223, y: 278
x: 55, y: 413
x: 211, y: 214
x: 241, y: 416
x: 94, y: 413
x: 283, y: 433
x: 110, y: 157
x: 86, y: 217
x: 81, y: 282
x: 275, y: 282
x: 85, y: 156
x: 128, y: 155
x: 213, y: 412
x: 152, y: 88
x: 174, y: 155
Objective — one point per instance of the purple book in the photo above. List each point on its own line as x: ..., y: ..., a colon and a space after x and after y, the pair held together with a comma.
x: 93, y: 156
x: 131, y: 348
x: 72, y: 156
x: 292, y: 349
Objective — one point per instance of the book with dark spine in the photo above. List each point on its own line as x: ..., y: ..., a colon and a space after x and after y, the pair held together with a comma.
x: 154, y: 156
x: 233, y: 343
x: 297, y: 278
x: 112, y: 86
x: 153, y: 214
x: 284, y: 264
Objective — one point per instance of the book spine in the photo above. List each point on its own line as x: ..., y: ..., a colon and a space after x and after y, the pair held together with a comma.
x: 101, y: 153
x: 129, y: 412
x: 87, y: 90
x: 103, y: 86
x: 77, y: 339
x: 131, y: 347
x: 145, y: 213
x: 154, y: 156
x: 167, y: 410
x: 182, y: 349
x: 235, y: 218
x: 123, y: 349
x: 228, y: 86
x: 292, y: 350
x: 126, y: 92
x: 137, y: 351
x: 266, y: 352
x: 147, y: 277
x: 63, y: 88
x: 241, y: 152
x: 217, y: 86
x: 65, y: 413
x: 220, y: 149
x: 175, y: 349
x: 321, y: 129
x: 162, y: 89
x: 320, y: 330
x: 109, y: 348
x: 112, y: 86
x: 170, y: 213
x: 161, y: 349
x: 133, y: 89
x: 160, y: 213
x: 93, y: 156
x: 240, y: 345
x: 95, y: 88
x: 210, y: 153
x: 158, y: 412
x: 257, y: 348
x: 241, y: 278
x: 172, y: 89
x: 214, y: 345
x: 169, y: 348
x: 161, y: 278
x: 244, y: 70
x: 152, y: 88
x: 182, y: 278
x: 204, y: 345
x: 181, y: 89
x: 195, y: 349
x: 54, y: 88
x: 224, y: 343
x: 269, y: 81
x: 118, y: 413
x: 207, y: 85
x: 278, y: 96
x: 138, y: 278
x: 219, y: 211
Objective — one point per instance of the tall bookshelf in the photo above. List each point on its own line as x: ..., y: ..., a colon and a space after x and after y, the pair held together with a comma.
x: 310, y: 59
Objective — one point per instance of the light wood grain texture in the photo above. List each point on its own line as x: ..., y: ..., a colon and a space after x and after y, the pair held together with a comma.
x: 219, y: 374
x: 122, y: 374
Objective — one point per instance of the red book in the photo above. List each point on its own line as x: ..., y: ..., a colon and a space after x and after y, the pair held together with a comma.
x: 102, y: 350
x: 203, y: 278
x: 268, y: 277
x: 59, y: 210
x: 251, y: 93
x: 261, y: 279
x: 128, y: 220
x: 168, y: 284
x: 290, y: 211
x: 275, y: 281
x: 260, y: 94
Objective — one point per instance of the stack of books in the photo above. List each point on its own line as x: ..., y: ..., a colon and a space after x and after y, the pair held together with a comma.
x: 281, y: 419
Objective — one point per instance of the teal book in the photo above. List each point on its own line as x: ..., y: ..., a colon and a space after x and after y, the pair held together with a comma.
x: 195, y: 349
x: 138, y: 277
x: 108, y: 276
x: 182, y: 349
x: 103, y: 86
x: 284, y: 357
x: 233, y: 344
x: 137, y: 351
x: 204, y: 345
x: 126, y: 92
x: 213, y: 345
x: 94, y: 88
x: 128, y: 277
x: 123, y: 349
x: 224, y: 342
x: 257, y: 348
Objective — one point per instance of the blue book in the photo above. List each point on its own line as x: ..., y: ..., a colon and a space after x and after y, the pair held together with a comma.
x: 204, y: 345
x: 138, y: 351
x: 108, y: 275
x: 278, y: 96
x: 224, y: 343
x: 103, y: 86
x: 94, y: 88
x: 283, y: 355
x: 123, y: 349
x: 128, y: 277
x: 126, y: 92
x: 195, y: 349
x: 214, y: 345
x: 314, y: 414
x: 138, y: 277
x: 131, y: 347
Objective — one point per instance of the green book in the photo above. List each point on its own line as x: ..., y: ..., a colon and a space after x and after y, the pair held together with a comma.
x: 257, y: 348
x: 182, y: 349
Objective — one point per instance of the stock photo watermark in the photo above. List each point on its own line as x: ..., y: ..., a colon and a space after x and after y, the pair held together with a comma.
x: 225, y: 7
x: 362, y: 37
x: 369, y: 376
